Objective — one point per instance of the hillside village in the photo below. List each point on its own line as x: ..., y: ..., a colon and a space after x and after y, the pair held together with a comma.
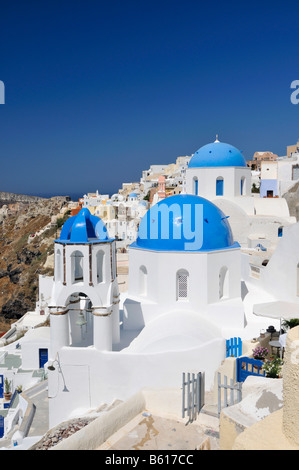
x: 83, y: 287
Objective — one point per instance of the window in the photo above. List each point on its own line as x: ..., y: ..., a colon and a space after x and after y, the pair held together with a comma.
x: 223, y: 283
x: 219, y: 186
x: 182, y: 285
x: 142, y: 280
x: 195, y: 186
x: 243, y: 188
x: 58, y: 266
x: 100, y: 266
x: 77, y: 266
x: 280, y: 231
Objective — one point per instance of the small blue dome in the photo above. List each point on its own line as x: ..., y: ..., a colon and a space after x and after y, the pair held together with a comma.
x: 184, y: 223
x: 83, y: 228
x: 217, y: 154
x: 133, y: 195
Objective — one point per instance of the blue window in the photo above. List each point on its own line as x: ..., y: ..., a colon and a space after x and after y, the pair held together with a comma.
x: 280, y: 230
x: 219, y: 187
x: 195, y: 186
x: 242, y: 186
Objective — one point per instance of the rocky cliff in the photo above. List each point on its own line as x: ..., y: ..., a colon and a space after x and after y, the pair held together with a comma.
x: 11, y: 198
x: 27, y: 231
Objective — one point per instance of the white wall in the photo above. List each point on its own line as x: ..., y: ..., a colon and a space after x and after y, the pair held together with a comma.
x: 92, y: 377
x: 279, y: 277
x: 207, y: 181
x: 161, y: 293
x: 269, y: 170
x: 34, y: 340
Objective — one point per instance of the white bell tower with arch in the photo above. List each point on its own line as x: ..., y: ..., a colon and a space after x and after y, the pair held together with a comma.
x: 84, y: 308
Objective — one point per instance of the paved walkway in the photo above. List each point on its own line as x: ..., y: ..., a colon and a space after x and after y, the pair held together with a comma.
x: 40, y: 424
x: 149, y: 432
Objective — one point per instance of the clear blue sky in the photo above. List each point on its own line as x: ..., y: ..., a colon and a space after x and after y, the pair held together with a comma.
x: 97, y: 91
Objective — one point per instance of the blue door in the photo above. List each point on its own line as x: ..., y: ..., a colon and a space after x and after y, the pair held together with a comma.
x: 43, y: 357
x: 1, y: 426
x: 1, y: 386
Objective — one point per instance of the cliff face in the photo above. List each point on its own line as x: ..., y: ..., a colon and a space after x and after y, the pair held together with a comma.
x: 10, y: 198
x: 27, y: 232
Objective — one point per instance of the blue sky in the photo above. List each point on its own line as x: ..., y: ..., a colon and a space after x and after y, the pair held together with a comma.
x: 97, y: 91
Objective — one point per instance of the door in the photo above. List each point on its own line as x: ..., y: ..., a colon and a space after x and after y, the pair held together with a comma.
x: 1, y: 386
x: 43, y: 357
x: 1, y: 426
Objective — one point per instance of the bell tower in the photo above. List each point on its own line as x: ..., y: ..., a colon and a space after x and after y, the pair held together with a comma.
x: 84, y: 308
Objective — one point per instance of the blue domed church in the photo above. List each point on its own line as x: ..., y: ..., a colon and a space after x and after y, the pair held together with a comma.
x: 185, y: 260
x: 218, y: 170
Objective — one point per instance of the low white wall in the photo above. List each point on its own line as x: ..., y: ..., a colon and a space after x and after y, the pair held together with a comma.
x: 93, y: 377
x: 99, y: 430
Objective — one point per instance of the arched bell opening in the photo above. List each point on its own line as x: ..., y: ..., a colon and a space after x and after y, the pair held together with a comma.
x: 80, y: 320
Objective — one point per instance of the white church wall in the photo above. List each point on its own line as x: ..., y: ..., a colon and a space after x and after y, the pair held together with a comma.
x: 101, y: 377
x: 280, y: 276
x: 223, y: 275
x: 207, y: 177
x: 212, y: 278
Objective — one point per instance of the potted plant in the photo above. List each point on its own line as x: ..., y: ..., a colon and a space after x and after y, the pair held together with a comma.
x: 260, y: 353
x: 291, y: 323
x: 7, y: 389
x: 273, y: 368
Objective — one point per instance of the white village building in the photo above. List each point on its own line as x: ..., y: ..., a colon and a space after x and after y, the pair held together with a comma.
x: 122, y: 216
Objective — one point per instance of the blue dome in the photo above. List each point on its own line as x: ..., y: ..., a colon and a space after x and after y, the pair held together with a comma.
x: 83, y: 228
x: 217, y: 154
x: 184, y: 223
x: 133, y: 195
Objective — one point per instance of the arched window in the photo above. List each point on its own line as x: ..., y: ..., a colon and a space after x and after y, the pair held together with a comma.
x: 142, y: 280
x: 195, y: 186
x: 77, y: 266
x: 243, y: 186
x: 182, y: 284
x: 280, y: 231
x: 219, y: 186
x: 223, y: 283
x: 100, y: 266
x: 58, y: 269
